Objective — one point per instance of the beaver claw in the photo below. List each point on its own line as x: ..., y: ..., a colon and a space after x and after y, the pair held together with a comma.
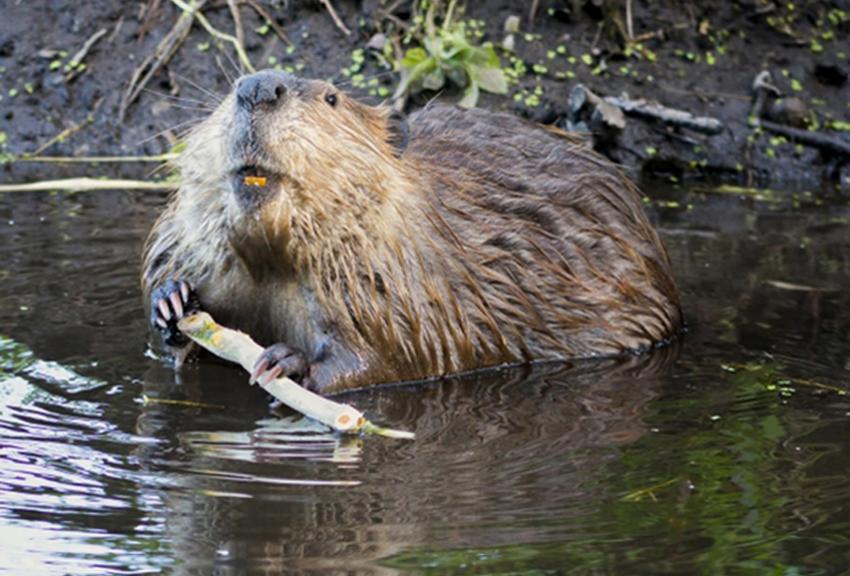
x: 169, y: 303
x: 277, y: 361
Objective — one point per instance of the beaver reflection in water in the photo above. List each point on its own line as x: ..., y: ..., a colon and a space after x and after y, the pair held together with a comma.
x: 383, y: 250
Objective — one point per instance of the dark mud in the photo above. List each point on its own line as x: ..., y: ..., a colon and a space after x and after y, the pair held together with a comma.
x: 700, y: 58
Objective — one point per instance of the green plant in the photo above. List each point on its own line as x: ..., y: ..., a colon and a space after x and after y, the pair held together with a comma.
x: 447, y: 55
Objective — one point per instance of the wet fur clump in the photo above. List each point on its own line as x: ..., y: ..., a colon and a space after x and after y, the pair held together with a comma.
x: 388, y: 250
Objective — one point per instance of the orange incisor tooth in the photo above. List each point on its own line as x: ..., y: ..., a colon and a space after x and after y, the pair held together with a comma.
x: 255, y: 181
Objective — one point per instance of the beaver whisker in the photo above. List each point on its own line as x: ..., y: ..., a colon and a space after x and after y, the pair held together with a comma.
x: 361, y: 139
x: 208, y: 106
x: 215, y: 97
x: 266, y: 238
x: 180, y: 129
x: 191, y: 108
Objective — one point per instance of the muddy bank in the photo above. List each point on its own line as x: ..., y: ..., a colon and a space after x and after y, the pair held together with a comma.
x: 702, y: 60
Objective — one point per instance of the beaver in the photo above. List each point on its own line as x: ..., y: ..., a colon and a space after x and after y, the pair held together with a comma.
x: 364, y: 247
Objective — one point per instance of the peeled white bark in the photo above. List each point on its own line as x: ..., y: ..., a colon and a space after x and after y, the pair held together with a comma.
x: 238, y: 347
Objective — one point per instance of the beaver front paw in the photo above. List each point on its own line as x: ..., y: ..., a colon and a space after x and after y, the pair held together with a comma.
x: 169, y: 303
x: 280, y: 360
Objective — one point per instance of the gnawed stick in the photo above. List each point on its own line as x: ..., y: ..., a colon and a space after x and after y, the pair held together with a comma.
x: 238, y: 347
x: 83, y: 184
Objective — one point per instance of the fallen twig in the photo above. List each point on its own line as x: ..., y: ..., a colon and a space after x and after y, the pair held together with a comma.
x: 703, y: 93
x: 77, y: 59
x: 159, y: 158
x: 82, y: 184
x: 147, y: 16
x: 659, y: 34
x: 65, y: 133
x: 532, y: 12
x: 269, y: 20
x: 339, y: 23
x: 823, y: 142
x: 116, y: 29
x: 671, y: 116
x: 195, y: 10
x: 155, y: 61
x: 237, y: 21
x: 629, y: 21
x: 239, y: 348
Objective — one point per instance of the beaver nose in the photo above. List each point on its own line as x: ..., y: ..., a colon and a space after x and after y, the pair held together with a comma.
x: 260, y: 89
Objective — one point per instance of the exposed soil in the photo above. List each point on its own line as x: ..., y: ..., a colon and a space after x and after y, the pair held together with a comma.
x: 703, y: 60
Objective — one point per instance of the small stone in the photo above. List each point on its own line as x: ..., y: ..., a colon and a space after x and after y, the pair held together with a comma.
x: 790, y: 111
x: 377, y: 42
x: 47, y: 53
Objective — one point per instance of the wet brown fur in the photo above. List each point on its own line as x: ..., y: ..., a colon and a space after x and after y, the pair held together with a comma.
x: 488, y: 241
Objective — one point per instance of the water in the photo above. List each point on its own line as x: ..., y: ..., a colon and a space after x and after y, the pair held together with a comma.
x: 726, y: 454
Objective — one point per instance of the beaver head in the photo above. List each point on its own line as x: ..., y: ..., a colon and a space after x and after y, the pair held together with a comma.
x: 285, y: 156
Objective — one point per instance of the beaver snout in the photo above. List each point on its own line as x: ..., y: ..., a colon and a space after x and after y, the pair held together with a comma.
x: 263, y: 89
x: 250, y: 170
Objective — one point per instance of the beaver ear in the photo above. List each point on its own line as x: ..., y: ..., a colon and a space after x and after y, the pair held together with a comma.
x: 398, y: 132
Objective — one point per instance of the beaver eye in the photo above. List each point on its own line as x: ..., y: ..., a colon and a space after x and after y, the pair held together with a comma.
x: 330, y: 99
